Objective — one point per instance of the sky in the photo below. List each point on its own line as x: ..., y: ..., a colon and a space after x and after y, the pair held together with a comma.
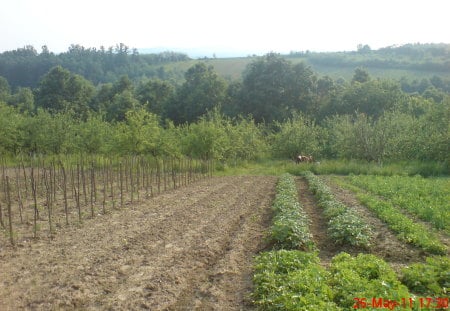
x: 223, y: 27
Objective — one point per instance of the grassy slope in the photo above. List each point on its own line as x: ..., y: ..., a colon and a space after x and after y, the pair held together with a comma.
x: 232, y: 68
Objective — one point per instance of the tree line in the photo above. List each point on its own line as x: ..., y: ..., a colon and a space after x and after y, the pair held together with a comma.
x: 24, y: 67
x: 277, y: 109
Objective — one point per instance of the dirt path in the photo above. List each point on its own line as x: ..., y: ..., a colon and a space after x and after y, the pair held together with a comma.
x: 384, y: 244
x: 189, y: 249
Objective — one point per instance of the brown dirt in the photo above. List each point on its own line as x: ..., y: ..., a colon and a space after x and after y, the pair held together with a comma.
x: 384, y: 243
x: 188, y: 249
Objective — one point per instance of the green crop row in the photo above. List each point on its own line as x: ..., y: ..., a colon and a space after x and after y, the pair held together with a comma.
x: 344, y: 225
x: 429, y: 279
x: 295, y: 280
x: 406, y: 229
x: 291, y: 280
x: 290, y: 228
x: 428, y: 198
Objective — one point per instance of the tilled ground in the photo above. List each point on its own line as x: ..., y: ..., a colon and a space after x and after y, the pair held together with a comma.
x: 384, y: 242
x: 188, y: 249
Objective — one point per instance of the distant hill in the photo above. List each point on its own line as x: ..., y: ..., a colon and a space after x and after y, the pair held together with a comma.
x: 413, y: 61
x: 25, y: 67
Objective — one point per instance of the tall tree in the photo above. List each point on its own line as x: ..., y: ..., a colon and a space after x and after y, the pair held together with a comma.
x: 5, y: 90
x: 62, y: 91
x: 202, y: 90
x: 272, y: 88
x: 154, y: 95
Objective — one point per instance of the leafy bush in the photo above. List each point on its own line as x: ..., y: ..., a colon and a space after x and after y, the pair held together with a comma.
x: 291, y: 280
x: 431, y: 278
x: 363, y: 276
x: 347, y: 228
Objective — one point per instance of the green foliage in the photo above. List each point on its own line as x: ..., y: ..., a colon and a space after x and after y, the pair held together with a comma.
x: 215, y: 136
x: 406, y: 229
x: 202, y: 91
x: 62, y: 91
x: 428, y: 198
x: 11, y: 130
x: 291, y: 280
x: 141, y: 134
x: 344, y: 225
x: 272, y: 87
x: 298, y: 135
x: 363, y: 276
x: 394, y: 135
x: 347, y: 228
x: 290, y: 228
x: 154, y: 95
x: 428, y: 279
x: 5, y: 89
x: 23, y: 100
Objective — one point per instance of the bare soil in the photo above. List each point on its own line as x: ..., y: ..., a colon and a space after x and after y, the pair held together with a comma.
x: 188, y: 249
x: 384, y: 244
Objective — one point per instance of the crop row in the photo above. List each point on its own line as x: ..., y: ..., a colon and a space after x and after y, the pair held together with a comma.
x: 290, y: 228
x: 428, y: 198
x: 344, y: 224
x: 407, y: 230
x: 295, y: 280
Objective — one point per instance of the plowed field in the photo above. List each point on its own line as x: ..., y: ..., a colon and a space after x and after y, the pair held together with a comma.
x: 189, y: 249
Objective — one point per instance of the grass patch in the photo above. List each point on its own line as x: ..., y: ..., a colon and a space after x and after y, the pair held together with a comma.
x: 276, y: 167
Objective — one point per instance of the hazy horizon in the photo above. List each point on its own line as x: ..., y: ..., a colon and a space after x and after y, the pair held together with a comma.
x: 215, y: 27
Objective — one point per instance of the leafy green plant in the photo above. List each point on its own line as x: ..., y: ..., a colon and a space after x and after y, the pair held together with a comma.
x: 428, y: 198
x: 344, y: 226
x: 430, y: 278
x: 363, y: 276
x: 290, y: 228
x: 407, y: 230
x: 291, y: 280
x: 347, y: 228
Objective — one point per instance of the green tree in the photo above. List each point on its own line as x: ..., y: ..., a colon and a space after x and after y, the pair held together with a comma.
x: 202, y: 90
x: 23, y: 100
x: 266, y: 88
x: 11, y: 130
x: 273, y: 88
x: 62, y: 91
x: 120, y: 105
x: 297, y: 135
x: 5, y: 90
x: 361, y: 75
x: 154, y: 95
x: 140, y: 133
x: 93, y: 136
x: 48, y: 133
x: 371, y: 98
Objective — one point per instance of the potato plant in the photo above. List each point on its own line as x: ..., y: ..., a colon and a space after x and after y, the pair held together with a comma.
x: 428, y: 198
x: 430, y: 279
x: 290, y: 228
x: 291, y: 280
x: 344, y: 225
x: 407, y: 230
x: 363, y: 277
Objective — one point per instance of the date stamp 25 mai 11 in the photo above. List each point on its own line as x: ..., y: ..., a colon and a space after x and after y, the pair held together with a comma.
x: 440, y: 303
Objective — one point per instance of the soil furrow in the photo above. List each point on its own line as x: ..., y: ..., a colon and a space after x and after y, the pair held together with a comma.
x: 161, y: 254
x: 384, y: 243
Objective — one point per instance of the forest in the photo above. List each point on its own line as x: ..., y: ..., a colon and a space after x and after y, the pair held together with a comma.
x: 117, y: 101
